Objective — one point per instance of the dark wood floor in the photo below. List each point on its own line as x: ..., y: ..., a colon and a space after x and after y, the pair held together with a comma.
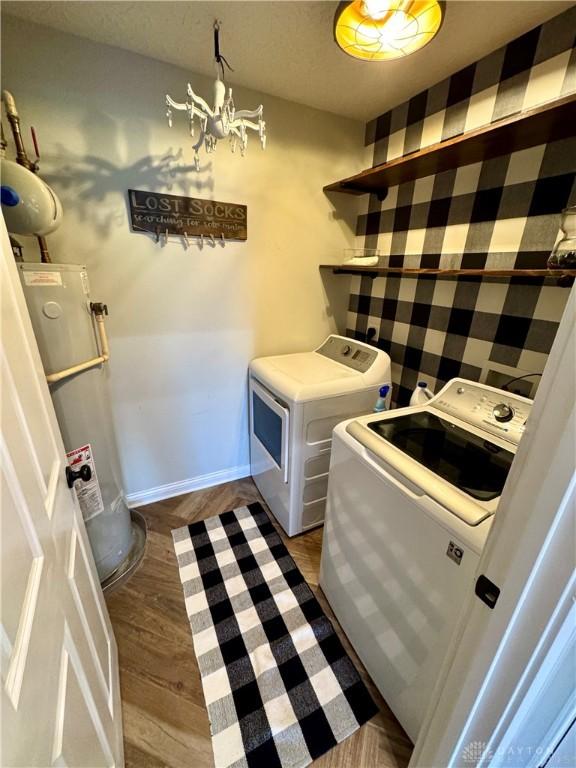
x: 165, y: 721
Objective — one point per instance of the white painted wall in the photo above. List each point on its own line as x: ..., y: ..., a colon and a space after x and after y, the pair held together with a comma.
x: 183, y: 324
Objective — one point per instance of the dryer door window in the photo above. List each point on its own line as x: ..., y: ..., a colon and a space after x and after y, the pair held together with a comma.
x: 270, y: 425
x: 267, y: 428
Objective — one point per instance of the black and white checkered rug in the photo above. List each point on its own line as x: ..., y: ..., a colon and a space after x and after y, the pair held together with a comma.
x: 279, y: 687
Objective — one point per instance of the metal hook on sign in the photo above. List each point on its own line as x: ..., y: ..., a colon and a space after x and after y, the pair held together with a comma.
x: 186, y: 240
x: 166, y: 236
x: 202, y: 240
x: 212, y: 240
x: 157, y: 234
x: 222, y: 239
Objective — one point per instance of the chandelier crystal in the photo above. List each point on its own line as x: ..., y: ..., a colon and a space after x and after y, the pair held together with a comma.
x: 221, y: 121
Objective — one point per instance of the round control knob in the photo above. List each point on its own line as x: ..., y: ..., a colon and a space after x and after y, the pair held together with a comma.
x: 346, y: 349
x: 503, y: 412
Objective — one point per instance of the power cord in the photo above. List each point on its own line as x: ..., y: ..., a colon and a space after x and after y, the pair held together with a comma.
x: 518, y: 378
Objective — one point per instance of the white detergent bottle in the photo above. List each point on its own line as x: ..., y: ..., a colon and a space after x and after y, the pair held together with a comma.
x: 421, y: 394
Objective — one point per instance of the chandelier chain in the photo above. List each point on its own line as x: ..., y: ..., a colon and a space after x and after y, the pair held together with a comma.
x: 218, y: 57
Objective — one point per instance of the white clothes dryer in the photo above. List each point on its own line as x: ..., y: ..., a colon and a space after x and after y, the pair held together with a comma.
x: 296, y: 401
x: 411, y: 498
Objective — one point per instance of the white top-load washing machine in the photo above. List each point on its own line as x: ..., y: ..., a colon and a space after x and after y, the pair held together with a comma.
x: 411, y: 498
x: 295, y: 402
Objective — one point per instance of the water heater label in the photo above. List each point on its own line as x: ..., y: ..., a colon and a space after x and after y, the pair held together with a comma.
x: 88, y: 493
x: 42, y: 278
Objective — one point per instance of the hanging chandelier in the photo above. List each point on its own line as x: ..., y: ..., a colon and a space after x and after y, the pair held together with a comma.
x: 223, y: 120
x: 379, y: 30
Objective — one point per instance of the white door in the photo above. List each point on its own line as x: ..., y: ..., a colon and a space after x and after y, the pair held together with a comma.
x: 60, y: 690
x: 502, y: 660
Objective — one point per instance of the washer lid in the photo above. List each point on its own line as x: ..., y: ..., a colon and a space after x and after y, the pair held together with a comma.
x: 306, y: 376
x: 433, y: 481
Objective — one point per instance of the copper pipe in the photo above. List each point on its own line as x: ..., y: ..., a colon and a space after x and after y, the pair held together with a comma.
x: 22, y: 157
x: 14, y: 120
x: 3, y: 142
x: 44, y: 254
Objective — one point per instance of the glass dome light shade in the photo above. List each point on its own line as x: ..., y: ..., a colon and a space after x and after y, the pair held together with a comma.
x: 380, y: 30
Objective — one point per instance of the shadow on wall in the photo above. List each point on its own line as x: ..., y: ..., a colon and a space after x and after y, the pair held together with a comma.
x: 84, y: 179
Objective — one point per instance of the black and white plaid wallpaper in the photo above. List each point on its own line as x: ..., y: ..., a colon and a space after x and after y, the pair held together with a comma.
x: 501, y: 213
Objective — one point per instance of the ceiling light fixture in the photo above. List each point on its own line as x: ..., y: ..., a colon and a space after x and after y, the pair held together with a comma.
x: 223, y: 121
x: 379, y: 30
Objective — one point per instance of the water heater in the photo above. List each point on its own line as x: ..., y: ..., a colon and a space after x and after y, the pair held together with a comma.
x: 58, y: 299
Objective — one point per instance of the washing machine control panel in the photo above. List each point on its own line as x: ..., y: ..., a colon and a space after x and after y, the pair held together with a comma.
x: 348, y: 352
x: 494, y: 410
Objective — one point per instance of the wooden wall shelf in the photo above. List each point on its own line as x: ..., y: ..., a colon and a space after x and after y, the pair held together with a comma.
x: 547, y: 122
x: 566, y: 276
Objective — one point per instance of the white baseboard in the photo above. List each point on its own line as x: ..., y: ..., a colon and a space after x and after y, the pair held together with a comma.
x: 169, y: 490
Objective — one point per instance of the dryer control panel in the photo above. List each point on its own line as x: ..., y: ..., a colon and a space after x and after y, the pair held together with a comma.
x: 352, y: 353
x: 493, y: 410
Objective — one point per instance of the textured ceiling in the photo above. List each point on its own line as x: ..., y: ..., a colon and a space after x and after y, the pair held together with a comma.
x: 286, y: 48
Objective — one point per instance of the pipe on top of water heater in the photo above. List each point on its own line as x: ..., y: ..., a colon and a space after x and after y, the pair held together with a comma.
x: 14, y: 120
x: 22, y: 156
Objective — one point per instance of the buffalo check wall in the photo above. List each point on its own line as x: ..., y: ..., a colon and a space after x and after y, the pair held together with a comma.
x: 502, y: 213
